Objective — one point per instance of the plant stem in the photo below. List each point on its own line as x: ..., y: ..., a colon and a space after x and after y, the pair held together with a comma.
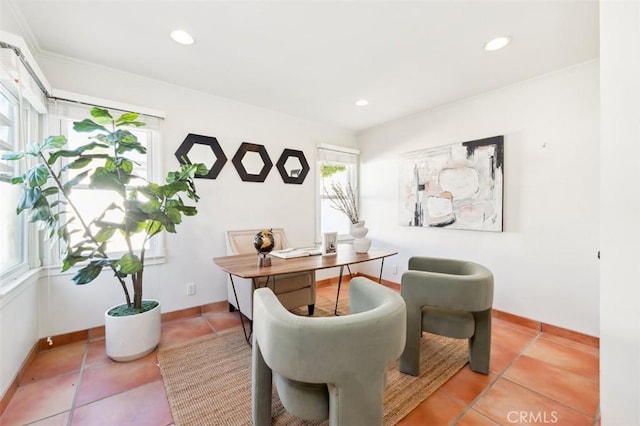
x: 86, y: 228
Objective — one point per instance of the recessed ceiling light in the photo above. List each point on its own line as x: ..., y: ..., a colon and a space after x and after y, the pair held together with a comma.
x: 362, y: 102
x: 497, y: 43
x: 182, y: 37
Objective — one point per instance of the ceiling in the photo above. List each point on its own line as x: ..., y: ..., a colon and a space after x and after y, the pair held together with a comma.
x: 314, y: 59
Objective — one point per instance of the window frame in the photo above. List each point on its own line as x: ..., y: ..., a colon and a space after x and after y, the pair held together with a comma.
x: 61, y: 120
x: 28, y: 125
x: 323, y: 152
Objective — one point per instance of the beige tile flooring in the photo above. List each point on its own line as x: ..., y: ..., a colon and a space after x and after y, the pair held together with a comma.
x: 535, y: 378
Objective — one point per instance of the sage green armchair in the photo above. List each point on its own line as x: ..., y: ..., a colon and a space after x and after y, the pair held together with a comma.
x: 327, y: 367
x: 451, y: 298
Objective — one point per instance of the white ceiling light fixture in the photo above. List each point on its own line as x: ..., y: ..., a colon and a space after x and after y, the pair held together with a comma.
x: 497, y: 43
x: 362, y: 102
x: 182, y: 37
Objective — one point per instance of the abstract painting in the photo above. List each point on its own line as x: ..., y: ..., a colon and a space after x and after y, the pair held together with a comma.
x: 456, y: 186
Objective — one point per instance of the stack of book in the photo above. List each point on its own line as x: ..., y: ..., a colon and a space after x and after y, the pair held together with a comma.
x: 296, y: 252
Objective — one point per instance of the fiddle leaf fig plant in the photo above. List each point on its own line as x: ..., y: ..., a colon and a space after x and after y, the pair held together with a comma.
x: 106, y: 162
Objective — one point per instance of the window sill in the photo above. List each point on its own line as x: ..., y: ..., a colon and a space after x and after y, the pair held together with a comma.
x: 11, y: 285
x: 55, y: 270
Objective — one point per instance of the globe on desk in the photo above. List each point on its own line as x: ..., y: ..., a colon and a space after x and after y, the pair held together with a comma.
x: 264, y: 242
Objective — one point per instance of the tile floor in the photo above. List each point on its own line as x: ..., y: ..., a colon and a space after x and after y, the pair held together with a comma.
x: 535, y: 378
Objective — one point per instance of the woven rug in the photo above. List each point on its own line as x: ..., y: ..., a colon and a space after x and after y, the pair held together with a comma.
x: 208, y: 381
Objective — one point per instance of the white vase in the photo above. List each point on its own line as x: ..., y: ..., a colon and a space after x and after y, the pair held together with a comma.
x: 359, y: 232
x: 133, y: 336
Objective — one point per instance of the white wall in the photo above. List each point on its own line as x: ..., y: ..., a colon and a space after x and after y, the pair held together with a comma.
x: 18, y: 328
x: 544, y: 262
x: 18, y: 305
x: 227, y: 202
x: 620, y: 232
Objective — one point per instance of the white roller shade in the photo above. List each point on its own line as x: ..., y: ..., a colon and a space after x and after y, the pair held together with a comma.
x: 15, y: 76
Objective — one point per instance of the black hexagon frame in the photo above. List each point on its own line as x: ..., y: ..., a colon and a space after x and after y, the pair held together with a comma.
x: 182, y: 153
x: 286, y: 154
x: 242, y: 172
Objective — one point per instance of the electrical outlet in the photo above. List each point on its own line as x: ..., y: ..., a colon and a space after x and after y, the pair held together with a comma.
x: 191, y: 289
x: 394, y: 269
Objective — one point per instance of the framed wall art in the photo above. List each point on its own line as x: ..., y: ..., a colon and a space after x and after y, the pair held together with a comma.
x: 458, y: 186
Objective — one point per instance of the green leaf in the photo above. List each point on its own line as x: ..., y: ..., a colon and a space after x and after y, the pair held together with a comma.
x: 105, y: 234
x: 38, y: 175
x: 105, y: 179
x: 87, y: 274
x: 129, y: 264
x: 101, y: 115
x: 201, y: 169
x: 173, y: 188
x: 29, y: 198
x: 53, y: 156
x: 87, y: 125
x: 18, y: 179
x: 73, y: 182
x: 34, y: 149
x: 174, y: 215
x: 54, y: 142
x: 71, y: 260
x: 50, y: 191
x: 127, y: 117
x: 154, y: 227
x: 150, y: 206
x: 188, y: 210
x: 78, y: 163
x: 13, y: 156
x: 91, y: 146
x: 126, y: 165
x: 152, y: 190
x: 40, y: 211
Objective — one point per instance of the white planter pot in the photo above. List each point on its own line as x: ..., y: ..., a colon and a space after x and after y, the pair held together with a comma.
x: 132, y: 337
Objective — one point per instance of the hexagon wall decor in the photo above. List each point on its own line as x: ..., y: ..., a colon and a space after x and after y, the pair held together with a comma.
x: 296, y: 176
x: 240, y: 167
x: 193, y: 139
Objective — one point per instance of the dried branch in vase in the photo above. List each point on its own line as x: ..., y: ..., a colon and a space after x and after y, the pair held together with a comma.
x: 344, y: 200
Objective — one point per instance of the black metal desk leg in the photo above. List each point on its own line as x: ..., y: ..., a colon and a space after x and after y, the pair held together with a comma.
x: 381, y: 267
x: 247, y: 337
x: 335, y: 311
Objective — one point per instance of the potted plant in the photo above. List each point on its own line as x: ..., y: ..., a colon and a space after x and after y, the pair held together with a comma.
x: 140, y: 208
x: 344, y: 200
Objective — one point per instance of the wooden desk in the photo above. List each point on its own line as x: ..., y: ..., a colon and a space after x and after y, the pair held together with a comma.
x: 246, y: 266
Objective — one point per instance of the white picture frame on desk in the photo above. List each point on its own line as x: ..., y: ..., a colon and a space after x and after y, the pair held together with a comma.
x: 329, y: 243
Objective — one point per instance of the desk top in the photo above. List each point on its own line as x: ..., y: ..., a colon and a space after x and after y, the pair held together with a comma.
x: 246, y: 265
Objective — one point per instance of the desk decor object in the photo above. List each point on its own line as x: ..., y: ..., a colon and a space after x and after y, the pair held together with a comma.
x: 456, y: 186
x: 292, y: 253
x: 264, y: 242
x: 358, y: 231
x: 329, y: 245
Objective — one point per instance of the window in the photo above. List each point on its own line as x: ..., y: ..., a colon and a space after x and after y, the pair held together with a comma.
x: 21, y: 116
x: 91, y: 202
x: 12, y: 231
x: 335, y: 165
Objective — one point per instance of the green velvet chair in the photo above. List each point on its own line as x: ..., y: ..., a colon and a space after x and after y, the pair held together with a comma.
x: 451, y: 298
x: 327, y: 367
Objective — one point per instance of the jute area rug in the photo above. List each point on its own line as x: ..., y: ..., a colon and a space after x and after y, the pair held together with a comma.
x: 208, y: 381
